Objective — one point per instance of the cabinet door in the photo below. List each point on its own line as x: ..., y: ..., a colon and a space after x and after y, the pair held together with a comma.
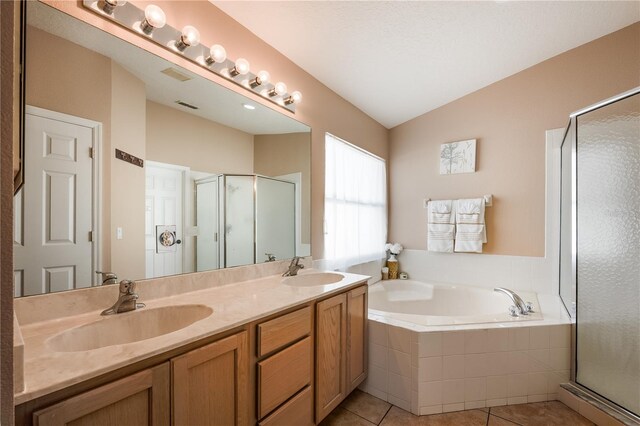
x: 331, y: 353
x: 140, y: 399
x: 356, y: 337
x: 211, y: 384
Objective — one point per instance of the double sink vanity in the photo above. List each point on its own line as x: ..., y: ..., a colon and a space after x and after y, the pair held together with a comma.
x: 240, y: 346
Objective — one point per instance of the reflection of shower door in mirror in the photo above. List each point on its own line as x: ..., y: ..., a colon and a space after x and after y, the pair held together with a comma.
x: 53, y: 248
x: 164, y: 185
x: 207, y: 245
x: 275, y: 218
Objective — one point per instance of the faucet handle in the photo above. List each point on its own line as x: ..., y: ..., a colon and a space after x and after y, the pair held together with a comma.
x: 127, y: 287
x: 529, y: 307
x: 513, y: 311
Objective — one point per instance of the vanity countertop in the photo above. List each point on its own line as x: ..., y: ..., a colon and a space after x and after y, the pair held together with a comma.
x: 46, y: 370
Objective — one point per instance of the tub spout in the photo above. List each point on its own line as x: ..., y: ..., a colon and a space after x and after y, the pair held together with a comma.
x: 522, y: 307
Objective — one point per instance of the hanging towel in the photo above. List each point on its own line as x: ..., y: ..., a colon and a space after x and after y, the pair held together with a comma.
x: 471, y: 231
x: 440, y: 226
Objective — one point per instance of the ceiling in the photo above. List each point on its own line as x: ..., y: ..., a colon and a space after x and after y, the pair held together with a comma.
x: 400, y: 59
x: 215, y: 102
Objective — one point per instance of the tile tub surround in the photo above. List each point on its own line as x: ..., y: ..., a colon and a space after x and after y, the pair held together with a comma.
x: 233, y: 305
x: 443, y: 371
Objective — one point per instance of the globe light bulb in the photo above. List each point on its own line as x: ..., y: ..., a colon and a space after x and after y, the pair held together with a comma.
x: 110, y: 5
x: 278, y: 90
x: 294, y: 98
x: 241, y: 67
x: 154, y: 17
x: 217, y: 54
x: 190, y: 37
x: 261, y: 78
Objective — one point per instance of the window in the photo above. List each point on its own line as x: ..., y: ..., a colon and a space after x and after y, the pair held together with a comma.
x: 355, y: 205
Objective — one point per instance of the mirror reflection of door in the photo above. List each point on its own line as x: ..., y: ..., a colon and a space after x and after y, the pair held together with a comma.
x: 207, y: 241
x: 164, y: 206
x: 55, y: 242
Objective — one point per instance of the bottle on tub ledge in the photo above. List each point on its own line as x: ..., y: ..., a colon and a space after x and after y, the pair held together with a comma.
x: 393, y: 250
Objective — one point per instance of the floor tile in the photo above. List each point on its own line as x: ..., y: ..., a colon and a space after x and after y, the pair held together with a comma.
x: 366, y: 406
x: 549, y: 413
x: 399, y: 417
x: 342, y: 417
x: 498, y: 421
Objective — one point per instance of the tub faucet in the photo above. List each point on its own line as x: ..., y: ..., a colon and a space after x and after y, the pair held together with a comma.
x: 522, y: 308
x: 127, y: 300
x: 294, y: 267
x: 108, y: 277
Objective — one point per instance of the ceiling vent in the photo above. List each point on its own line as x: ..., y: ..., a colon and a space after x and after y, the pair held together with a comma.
x: 186, y: 105
x: 174, y: 73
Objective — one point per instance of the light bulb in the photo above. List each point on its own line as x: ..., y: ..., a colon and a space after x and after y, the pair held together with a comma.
x: 278, y: 90
x: 190, y: 37
x: 295, y: 98
x: 154, y: 17
x: 261, y: 78
x: 241, y: 67
x: 110, y: 5
x: 216, y: 54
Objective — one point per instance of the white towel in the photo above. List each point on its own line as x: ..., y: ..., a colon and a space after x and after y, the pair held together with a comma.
x: 471, y: 231
x: 440, y: 226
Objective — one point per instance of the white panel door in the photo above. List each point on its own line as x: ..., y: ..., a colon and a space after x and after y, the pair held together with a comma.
x: 207, y: 256
x: 53, y: 248
x: 163, y: 207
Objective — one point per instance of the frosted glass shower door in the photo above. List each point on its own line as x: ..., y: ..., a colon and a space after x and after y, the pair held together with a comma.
x: 239, y: 228
x: 608, y: 252
x: 275, y: 218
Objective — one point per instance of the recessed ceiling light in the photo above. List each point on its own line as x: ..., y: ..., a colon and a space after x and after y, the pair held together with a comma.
x: 249, y: 106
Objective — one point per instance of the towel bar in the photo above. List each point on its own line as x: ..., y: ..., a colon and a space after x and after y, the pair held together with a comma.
x: 488, y: 201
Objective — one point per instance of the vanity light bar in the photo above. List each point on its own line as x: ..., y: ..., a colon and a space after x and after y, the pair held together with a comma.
x: 151, y: 24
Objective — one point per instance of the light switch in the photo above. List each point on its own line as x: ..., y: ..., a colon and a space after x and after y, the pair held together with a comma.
x: 118, y: 233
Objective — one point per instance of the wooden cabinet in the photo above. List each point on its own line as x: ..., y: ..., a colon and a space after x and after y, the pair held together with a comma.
x: 331, y: 354
x: 357, y: 311
x: 140, y: 399
x: 211, y: 384
x: 285, y: 369
x: 297, y: 411
x: 341, y: 365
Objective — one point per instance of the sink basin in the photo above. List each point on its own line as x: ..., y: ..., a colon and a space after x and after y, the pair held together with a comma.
x: 128, y: 327
x: 313, y: 279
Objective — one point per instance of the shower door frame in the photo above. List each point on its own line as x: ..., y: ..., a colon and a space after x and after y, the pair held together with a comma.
x: 599, y: 400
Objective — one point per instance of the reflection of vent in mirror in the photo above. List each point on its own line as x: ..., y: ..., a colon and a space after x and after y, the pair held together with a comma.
x: 186, y: 105
x: 174, y: 73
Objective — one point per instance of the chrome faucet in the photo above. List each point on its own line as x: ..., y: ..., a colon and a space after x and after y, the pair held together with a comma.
x: 108, y: 277
x: 127, y: 300
x: 294, y: 267
x: 520, y: 307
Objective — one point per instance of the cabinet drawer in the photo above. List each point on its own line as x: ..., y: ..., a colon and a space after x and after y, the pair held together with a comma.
x: 298, y: 411
x: 280, y: 331
x: 282, y: 375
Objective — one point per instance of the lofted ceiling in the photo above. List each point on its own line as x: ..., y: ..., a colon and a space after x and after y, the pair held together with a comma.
x: 396, y: 60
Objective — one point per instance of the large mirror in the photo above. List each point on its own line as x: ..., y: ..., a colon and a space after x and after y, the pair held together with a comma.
x: 136, y: 166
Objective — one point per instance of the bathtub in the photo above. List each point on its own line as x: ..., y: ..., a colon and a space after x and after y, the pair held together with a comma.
x: 415, y: 302
x: 437, y: 348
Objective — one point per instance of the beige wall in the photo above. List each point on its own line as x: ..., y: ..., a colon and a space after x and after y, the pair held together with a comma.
x: 82, y: 91
x: 128, y: 105
x: 176, y: 137
x: 509, y: 119
x: 277, y: 155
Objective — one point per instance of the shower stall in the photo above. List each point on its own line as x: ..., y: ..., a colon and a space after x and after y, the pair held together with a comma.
x: 600, y: 252
x: 244, y: 219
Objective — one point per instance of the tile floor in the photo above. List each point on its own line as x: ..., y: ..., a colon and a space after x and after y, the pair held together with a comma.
x: 362, y: 409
